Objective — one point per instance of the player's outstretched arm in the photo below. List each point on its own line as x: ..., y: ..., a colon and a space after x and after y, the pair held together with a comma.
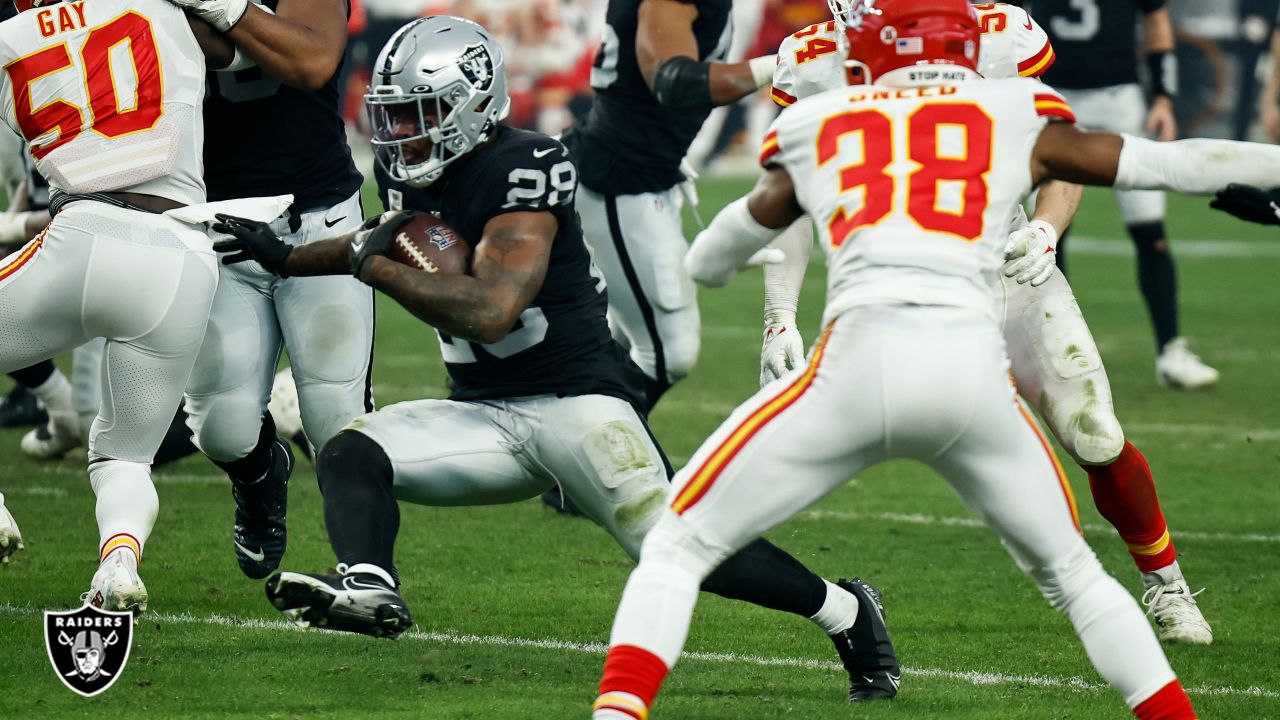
x: 300, y: 44
x: 1195, y: 167
x: 740, y: 231
x: 507, y: 270
x: 667, y: 52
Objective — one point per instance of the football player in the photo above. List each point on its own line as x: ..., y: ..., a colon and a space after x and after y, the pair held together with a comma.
x: 112, y: 263
x: 1055, y: 361
x: 1096, y: 73
x: 912, y: 362
x: 658, y: 74
x: 274, y: 128
x: 543, y: 395
x: 10, y: 537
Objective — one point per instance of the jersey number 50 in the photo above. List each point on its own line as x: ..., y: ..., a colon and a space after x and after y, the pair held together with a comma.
x: 106, y: 116
x: 967, y: 170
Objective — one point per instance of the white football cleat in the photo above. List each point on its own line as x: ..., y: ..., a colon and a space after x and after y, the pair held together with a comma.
x: 1175, y: 611
x: 10, y: 537
x: 116, y: 585
x: 53, y: 439
x: 1178, y: 367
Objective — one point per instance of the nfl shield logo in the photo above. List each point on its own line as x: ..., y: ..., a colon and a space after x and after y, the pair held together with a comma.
x: 88, y: 647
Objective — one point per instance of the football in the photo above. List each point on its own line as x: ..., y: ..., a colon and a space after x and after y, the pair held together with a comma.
x: 428, y: 244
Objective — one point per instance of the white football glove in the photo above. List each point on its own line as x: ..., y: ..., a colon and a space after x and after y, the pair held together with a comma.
x: 1031, y: 253
x: 221, y: 14
x: 782, y: 352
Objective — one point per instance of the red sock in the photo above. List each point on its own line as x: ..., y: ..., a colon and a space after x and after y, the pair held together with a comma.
x: 1169, y: 703
x: 1125, y: 494
x: 634, y: 671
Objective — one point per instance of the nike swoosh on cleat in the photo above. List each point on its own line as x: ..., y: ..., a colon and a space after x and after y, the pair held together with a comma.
x: 255, y: 556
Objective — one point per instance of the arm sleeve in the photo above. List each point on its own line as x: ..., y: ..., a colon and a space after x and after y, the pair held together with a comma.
x: 733, y: 236
x: 783, y: 91
x: 1196, y: 167
x: 1033, y: 50
x: 782, y: 281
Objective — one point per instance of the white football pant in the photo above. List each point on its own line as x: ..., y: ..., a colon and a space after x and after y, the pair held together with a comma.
x: 448, y: 453
x: 1058, y: 369
x: 326, y: 323
x: 638, y: 242
x: 885, y: 382
x: 1119, y: 109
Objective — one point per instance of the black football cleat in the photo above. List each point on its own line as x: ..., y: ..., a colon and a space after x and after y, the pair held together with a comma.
x: 260, y: 534
x: 560, y: 502
x: 866, y: 650
x: 21, y: 409
x: 351, y: 602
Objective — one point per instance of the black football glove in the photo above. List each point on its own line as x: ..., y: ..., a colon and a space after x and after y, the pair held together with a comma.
x: 252, y: 240
x: 376, y: 237
x: 1249, y: 203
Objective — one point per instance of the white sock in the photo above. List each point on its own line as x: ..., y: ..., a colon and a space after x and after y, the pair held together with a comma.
x: 127, y: 505
x: 1162, y: 576
x: 372, y: 569
x: 838, y: 611
x: 55, y: 393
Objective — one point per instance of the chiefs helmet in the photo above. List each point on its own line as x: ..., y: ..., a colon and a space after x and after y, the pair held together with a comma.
x: 25, y: 5
x: 884, y: 36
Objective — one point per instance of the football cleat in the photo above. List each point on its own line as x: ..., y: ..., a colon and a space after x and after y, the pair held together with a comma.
x: 1175, y: 611
x: 1178, y: 367
x: 260, y: 535
x: 116, y: 586
x: 560, y: 502
x: 286, y: 412
x: 20, y: 408
x: 351, y: 602
x: 865, y: 649
x: 10, y: 537
x: 52, y: 440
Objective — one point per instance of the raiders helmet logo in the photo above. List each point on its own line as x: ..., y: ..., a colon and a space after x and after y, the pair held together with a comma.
x: 477, y: 66
x: 88, y: 647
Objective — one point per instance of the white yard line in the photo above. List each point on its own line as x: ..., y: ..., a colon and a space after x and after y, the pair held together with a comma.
x: 972, y: 677
x: 37, y: 490
x: 976, y: 524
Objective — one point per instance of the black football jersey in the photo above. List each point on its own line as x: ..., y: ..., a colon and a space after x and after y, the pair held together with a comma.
x: 628, y: 143
x: 265, y: 138
x: 1095, y: 40
x: 561, y: 344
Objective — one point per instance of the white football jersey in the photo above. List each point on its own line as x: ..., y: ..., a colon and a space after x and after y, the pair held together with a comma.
x: 108, y: 95
x: 809, y: 62
x: 912, y: 188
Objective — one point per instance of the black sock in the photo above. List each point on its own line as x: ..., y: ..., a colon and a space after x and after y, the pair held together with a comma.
x: 1060, y: 257
x: 257, y: 463
x: 1158, y: 279
x: 177, y: 442
x: 764, y: 574
x: 34, y: 376
x: 360, y: 510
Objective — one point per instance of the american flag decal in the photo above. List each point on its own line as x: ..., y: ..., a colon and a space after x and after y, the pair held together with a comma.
x: 910, y: 46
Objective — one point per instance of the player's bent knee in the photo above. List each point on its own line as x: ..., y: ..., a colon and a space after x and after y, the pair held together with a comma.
x: 1065, y: 580
x: 674, y: 543
x: 225, y: 430
x: 1097, y: 439
x: 350, y: 456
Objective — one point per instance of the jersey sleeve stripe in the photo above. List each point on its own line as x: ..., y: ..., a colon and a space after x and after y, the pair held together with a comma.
x: 770, y: 148
x: 1037, y: 64
x: 782, y: 97
x: 705, y: 476
x: 1055, y: 108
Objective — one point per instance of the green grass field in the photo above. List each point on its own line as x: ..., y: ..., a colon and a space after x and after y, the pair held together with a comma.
x: 514, y: 603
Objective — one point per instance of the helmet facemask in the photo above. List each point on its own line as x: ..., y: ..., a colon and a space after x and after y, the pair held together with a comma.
x: 416, y: 136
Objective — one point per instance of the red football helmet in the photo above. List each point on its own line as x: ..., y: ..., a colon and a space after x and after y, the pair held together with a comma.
x: 25, y: 5
x: 887, y: 35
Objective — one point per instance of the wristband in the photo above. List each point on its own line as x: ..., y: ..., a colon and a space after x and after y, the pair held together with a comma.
x: 1163, y: 67
x: 762, y: 69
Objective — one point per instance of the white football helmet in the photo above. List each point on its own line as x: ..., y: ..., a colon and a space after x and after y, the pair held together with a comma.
x: 441, y: 80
